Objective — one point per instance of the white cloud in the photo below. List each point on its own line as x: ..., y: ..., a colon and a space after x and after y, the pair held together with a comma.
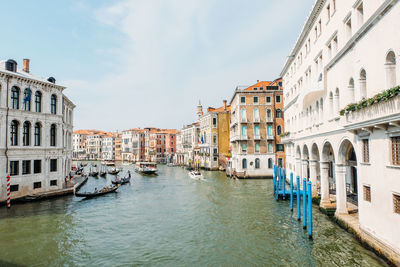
x: 172, y: 53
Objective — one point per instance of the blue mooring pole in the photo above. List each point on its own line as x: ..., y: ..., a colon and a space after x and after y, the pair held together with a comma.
x: 278, y: 182
x: 298, y: 197
x: 291, y: 191
x: 273, y: 181
x: 284, y: 183
x: 309, y: 210
x: 304, y: 203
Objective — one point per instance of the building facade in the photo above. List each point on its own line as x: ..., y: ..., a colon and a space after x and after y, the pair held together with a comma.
x: 36, y: 121
x: 342, y: 111
x: 188, y: 141
x: 108, y: 147
x: 255, y: 129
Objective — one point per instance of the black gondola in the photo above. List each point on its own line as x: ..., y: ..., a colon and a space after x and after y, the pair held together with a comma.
x: 103, y: 174
x: 122, y: 180
x: 113, y: 171
x: 100, y: 192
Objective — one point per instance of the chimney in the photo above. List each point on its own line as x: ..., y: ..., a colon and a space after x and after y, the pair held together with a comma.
x: 26, y: 65
x: 258, y: 81
x: 224, y: 105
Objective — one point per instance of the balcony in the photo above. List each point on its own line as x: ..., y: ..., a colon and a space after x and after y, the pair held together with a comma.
x: 243, y: 120
x: 380, y: 115
x: 233, y: 124
x: 270, y: 120
x: 234, y: 138
x: 256, y: 120
x: 270, y: 137
x: 244, y: 138
x: 257, y: 137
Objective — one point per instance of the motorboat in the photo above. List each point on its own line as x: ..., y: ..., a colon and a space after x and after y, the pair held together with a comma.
x: 108, y: 163
x: 146, y: 167
x: 196, y: 175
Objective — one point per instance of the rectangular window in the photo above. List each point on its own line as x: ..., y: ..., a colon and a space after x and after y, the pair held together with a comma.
x: 53, y: 182
x: 214, y: 139
x: 37, y: 185
x: 214, y: 122
x: 215, y: 158
x: 270, y: 148
x: 396, y: 203
x: 243, y: 99
x: 255, y: 99
x: 14, y: 188
x: 37, y: 166
x: 278, y: 99
x: 53, y: 165
x: 396, y: 150
x: 348, y: 29
x: 365, y: 150
x: 360, y: 14
x: 14, y: 170
x: 244, y: 130
x: 367, y: 193
x: 268, y: 99
x: 26, y: 167
x: 280, y: 147
x: 257, y: 147
x: 244, y: 147
x: 215, y: 151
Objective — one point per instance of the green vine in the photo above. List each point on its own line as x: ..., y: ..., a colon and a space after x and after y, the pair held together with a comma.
x: 381, y: 97
x: 285, y: 134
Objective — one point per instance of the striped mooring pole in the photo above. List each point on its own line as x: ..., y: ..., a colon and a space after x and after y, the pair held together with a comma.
x: 8, y: 192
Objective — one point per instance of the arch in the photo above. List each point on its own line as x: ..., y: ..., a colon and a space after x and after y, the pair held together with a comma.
x: 363, y: 83
x: 26, y: 133
x: 37, y: 133
x: 27, y: 99
x: 53, y: 104
x: 305, y: 152
x: 315, y: 152
x: 15, y: 92
x: 244, y: 163
x: 278, y: 113
x: 53, y: 135
x: 351, y: 90
x: 257, y: 163
x: 298, y: 152
x: 14, y: 133
x: 347, y: 158
x: 270, y: 163
x: 38, y: 101
x: 278, y: 130
x: 315, y: 168
x: 390, y: 66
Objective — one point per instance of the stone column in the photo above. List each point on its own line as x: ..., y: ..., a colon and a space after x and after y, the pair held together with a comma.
x: 341, y: 197
x: 298, y: 168
x: 313, y: 176
x: 324, y: 167
x: 304, y: 168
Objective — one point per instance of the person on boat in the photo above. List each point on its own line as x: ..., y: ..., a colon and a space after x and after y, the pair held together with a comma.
x: 129, y: 174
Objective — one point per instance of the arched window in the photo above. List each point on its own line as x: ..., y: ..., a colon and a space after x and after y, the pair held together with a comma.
x: 53, y: 132
x: 278, y: 130
x: 243, y: 114
x: 53, y: 104
x: 244, y: 163
x: 14, y: 133
x: 27, y: 99
x: 351, y: 90
x: 26, y: 133
x: 38, y: 101
x: 321, y: 106
x: 331, y: 103
x: 15, y: 97
x: 317, y: 119
x: 37, y: 134
x: 269, y: 114
x: 279, y: 113
x: 337, y: 101
x: 363, y: 84
x: 269, y: 163
x: 390, y: 69
x: 257, y: 163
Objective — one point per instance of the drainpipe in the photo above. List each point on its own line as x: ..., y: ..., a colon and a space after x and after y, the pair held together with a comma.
x: 8, y: 108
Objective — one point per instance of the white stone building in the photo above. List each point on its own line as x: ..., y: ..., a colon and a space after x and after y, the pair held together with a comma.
x: 108, y: 148
x: 132, y: 144
x: 346, y: 52
x: 93, y: 146
x: 35, y: 132
x: 189, y: 141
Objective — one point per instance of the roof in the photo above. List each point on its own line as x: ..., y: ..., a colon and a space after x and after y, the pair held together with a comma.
x: 257, y: 85
x: 220, y: 109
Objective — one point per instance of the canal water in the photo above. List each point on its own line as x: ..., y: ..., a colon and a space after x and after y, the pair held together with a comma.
x: 172, y: 220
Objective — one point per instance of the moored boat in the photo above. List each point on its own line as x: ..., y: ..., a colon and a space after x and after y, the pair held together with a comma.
x: 113, y: 171
x: 103, y: 191
x: 146, y: 167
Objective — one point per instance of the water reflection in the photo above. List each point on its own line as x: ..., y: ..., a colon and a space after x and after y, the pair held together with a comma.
x: 172, y: 220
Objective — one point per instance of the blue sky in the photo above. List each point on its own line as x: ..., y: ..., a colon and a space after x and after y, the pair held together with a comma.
x: 136, y: 63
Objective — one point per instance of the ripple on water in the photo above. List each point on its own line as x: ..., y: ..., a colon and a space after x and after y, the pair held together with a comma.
x: 172, y: 220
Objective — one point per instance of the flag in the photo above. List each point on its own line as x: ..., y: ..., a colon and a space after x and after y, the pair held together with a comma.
x: 27, y: 98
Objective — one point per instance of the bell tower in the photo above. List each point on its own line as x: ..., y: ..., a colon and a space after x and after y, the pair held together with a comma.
x: 199, y: 109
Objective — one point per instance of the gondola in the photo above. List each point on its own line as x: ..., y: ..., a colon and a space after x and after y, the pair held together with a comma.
x: 103, y: 174
x: 122, y: 180
x: 100, y: 192
x: 113, y: 171
x: 94, y: 174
